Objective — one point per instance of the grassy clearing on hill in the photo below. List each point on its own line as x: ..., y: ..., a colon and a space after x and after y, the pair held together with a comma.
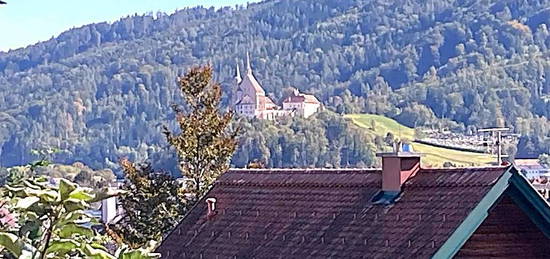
x: 435, y: 156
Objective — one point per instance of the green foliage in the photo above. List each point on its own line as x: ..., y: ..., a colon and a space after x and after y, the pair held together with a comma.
x: 322, y: 140
x: 154, y: 203
x: 470, y: 62
x: 389, y: 139
x: 51, y: 222
x: 434, y: 156
x: 205, y: 143
x: 44, y: 157
x: 77, y: 172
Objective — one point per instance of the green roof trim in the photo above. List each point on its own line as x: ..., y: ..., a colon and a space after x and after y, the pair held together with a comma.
x: 474, y: 219
x: 531, y: 202
x: 522, y: 193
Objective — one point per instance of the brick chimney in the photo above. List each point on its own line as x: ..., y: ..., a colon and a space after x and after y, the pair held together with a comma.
x: 397, y: 167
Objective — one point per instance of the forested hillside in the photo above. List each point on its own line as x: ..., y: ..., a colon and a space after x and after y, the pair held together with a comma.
x: 103, y: 90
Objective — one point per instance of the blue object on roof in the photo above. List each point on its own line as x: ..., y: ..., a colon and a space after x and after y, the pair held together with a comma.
x: 407, y: 148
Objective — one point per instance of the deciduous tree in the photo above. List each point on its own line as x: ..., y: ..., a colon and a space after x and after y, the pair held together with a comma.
x: 42, y: 220
x: 206, y: 141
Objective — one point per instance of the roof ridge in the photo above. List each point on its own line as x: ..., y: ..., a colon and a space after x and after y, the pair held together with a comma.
x: 304, y: 170
x: 463, y: 169
x: 447, y: 185
x: 365, y: 170
x: 302, y: 184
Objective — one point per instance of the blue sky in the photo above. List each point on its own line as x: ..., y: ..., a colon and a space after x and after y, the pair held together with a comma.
x: 25, y: 22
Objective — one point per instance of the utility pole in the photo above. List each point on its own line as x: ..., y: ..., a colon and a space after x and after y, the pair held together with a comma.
x: 498, y: 141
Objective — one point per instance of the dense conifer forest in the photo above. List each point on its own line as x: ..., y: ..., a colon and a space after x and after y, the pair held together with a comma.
x: 103, y: 91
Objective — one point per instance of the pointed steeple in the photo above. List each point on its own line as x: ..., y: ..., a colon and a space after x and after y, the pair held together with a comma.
x: 248, y: 67
x: 238, y: 77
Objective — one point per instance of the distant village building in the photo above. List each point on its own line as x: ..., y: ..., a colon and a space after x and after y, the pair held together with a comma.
x: 532, y: 169
x: 537, y: 174
x: 250, y: 100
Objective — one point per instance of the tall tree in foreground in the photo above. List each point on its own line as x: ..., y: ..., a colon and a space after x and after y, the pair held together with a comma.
x: 206, y: 142
x: 154, y: 203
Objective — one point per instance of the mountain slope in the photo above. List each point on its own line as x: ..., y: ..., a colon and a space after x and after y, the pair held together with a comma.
x: 434, y: 156
x: 102, y: 90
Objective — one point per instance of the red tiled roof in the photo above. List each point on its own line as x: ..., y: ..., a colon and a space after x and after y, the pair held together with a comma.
x: 250, y: 81
x: 307, y: 98
x: 293, y: 213
x: 310, y: 98
x: 527, y: 162
x: 294, y: 99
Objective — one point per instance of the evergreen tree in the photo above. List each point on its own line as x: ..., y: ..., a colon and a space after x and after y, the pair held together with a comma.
x: 153, y: 204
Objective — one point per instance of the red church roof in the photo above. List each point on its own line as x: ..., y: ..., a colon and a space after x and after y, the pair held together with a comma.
x: 250, y: 81
x: 305, y: 98
x: 293, y: 213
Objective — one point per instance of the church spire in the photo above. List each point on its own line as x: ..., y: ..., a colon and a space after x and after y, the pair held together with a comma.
x: 248, y: 67
x: 237, y: 72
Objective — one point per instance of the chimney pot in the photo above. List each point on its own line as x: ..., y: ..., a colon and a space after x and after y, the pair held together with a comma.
x: 211, y: 207
x: 397, y: 167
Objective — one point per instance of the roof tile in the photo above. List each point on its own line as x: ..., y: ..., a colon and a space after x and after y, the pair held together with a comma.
x: 326, y: 213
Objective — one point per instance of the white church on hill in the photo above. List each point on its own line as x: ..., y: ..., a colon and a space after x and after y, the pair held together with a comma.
x: 250, y: 100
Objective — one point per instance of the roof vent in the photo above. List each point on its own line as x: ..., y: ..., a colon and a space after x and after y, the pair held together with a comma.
x: 211, y: 208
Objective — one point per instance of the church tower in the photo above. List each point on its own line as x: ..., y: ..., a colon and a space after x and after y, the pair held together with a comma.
x: 249, y: 96
x: 238, y: 78
x: 237, y: 94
